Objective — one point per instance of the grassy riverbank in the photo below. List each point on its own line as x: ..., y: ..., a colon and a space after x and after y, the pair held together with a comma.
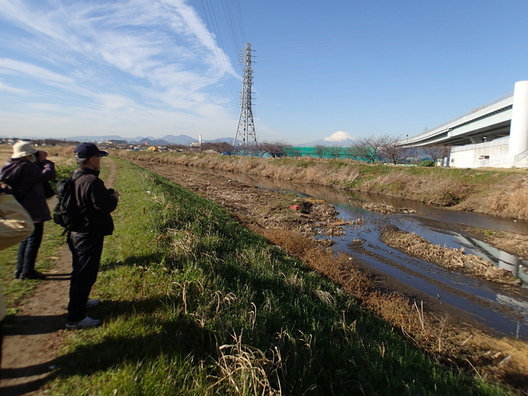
x: 195, y: 304
x: 500, y: 192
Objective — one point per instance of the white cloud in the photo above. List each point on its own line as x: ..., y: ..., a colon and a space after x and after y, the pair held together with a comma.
x: 13, y: 90
x: 14, y: 67
x: 126, y: 61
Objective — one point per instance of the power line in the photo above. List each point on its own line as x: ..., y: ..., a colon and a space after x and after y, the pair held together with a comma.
x: 233, y: 22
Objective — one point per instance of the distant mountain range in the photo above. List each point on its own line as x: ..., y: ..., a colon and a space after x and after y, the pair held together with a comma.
x: 339, y: 138
x: 163, y: 141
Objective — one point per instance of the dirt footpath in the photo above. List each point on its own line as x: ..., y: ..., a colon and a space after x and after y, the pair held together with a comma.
x: 33, y: 338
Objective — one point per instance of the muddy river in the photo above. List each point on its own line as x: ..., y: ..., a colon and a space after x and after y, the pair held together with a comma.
x: 501, y: 309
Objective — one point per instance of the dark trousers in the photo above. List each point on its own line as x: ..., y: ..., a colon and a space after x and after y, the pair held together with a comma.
x: 28, y: 250
x: 86, y: 256
x: 1, y: 341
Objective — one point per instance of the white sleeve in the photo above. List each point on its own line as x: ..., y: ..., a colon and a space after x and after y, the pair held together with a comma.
x: 15, y: 223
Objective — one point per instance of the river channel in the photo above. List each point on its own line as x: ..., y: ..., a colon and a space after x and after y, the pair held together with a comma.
x: 503, y: 310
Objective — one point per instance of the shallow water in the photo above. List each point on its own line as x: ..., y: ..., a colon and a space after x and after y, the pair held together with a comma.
x: 485, y: 302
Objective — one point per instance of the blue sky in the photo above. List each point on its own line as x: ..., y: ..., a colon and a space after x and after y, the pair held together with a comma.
x: 158, y: 67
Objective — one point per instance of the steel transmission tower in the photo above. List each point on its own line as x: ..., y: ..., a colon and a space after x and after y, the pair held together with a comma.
x: 246, y: 136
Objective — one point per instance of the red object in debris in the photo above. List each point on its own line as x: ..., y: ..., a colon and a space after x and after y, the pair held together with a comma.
x: 294, y: 207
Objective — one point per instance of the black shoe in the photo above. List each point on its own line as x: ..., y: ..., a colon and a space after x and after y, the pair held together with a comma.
x: 33, y: 275
x: 17, y: 275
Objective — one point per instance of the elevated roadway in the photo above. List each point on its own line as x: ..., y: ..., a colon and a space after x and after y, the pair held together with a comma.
x: 483, y: 124
x: 474, y: 136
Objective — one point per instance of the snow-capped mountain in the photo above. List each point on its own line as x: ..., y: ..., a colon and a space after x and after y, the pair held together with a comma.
x: 339, y: 138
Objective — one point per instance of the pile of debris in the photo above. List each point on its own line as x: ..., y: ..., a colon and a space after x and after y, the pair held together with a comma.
x: 383, y: 208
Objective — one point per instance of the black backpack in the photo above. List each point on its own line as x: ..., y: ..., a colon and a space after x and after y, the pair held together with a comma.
x: 66, y: 213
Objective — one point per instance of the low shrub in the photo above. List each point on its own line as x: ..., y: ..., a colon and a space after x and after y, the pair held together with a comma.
x: 427, y: 163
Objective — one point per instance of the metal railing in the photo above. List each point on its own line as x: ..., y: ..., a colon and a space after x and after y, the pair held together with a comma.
x: 493, y: 143
x: 520, y: 157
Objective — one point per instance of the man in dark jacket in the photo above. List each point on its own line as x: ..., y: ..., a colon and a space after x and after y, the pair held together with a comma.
x: 25, y: 174
x: 95, y: 203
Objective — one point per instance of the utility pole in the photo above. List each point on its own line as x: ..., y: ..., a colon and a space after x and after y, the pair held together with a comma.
x: 246, y: 136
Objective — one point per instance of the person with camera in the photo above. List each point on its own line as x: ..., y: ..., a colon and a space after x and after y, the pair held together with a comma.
x: 95, y: 202
x: 26, y: 174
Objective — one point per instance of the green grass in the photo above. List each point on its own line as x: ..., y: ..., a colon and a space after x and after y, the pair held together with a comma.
x: 194, y: 304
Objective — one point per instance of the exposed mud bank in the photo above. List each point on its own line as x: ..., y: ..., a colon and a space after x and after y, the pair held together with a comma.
x: 449, y: 258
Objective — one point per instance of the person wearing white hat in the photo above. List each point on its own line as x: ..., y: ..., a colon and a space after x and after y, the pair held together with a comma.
x: 25, y: 174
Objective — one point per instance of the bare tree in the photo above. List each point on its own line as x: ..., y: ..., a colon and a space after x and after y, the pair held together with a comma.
x: 436, y: 152
x: 275, y: 149
x: 220, y: 147
x: 365, y: 149
x: 320, y: 151
x: 334, y: 151
x: 253, y: 150
x: 290, y: 151
x: 393, y: 151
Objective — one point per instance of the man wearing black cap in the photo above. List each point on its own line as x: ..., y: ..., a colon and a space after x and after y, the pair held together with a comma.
x: 95, y: 203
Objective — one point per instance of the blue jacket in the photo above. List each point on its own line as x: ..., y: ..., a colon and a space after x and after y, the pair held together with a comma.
x: 26, y: 180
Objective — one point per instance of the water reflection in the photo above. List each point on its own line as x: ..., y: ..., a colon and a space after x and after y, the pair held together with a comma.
x: 485, y: 302
x: 441, y: 235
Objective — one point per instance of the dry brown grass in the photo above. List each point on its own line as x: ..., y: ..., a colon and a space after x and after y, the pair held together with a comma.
x: 5, y: 154
x: 432, y: 188
x: 312, y: 170
x: 244, y: 370
x: 60, y: 155
x: 508, y: 241
x: 511, y: 204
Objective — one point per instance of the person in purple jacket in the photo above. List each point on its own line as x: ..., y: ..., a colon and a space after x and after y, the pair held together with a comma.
x: 25, y: 174
x: 95, y: 203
